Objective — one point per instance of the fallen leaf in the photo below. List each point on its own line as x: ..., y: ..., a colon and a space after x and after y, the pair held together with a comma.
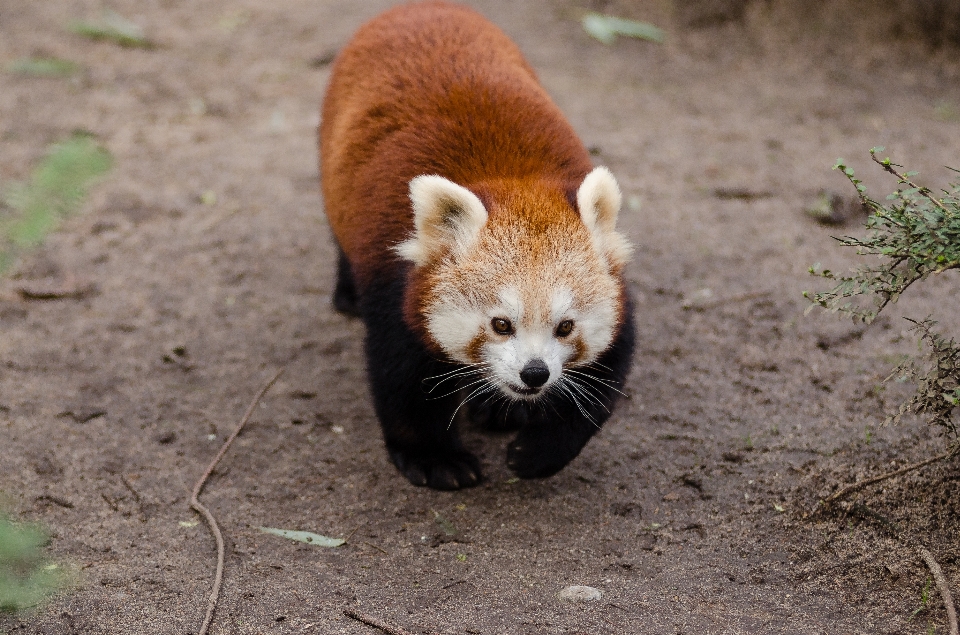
x: 304, y: 536
x: 606, y: 28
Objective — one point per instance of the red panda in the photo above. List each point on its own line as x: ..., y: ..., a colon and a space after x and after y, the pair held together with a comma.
x: 476, y: 242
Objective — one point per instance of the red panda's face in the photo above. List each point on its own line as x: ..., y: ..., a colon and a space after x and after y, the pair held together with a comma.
x: 525, y: 293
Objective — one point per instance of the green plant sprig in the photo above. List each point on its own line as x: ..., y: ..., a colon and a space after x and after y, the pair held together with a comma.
x: 27, y: 576
x: 938, y: 384
x: 57, y: 188
x: 916, y: 235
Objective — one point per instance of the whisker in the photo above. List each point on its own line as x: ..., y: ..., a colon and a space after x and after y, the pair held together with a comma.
x: 590, y: 398
x: 459, y: 368
x: 597, y: 391
x: 488, y: 386
x: 459, y: 388
x: 588, y: 393
x: 465, y: 375
x: 598, y: 364
x: 606, y: 382
x: 463, y: 371
x: 609, y: 382
x: 573, y: 397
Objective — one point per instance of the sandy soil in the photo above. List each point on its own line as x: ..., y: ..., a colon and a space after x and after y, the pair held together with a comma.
x: 209, y: 235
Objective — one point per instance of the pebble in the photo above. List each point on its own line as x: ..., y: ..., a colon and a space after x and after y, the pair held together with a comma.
x: 580, y: 594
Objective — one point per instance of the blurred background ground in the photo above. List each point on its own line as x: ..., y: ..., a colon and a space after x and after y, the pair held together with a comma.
x: 212, y: 266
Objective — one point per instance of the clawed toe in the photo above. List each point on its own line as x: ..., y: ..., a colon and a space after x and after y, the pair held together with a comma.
x: 447, y: 473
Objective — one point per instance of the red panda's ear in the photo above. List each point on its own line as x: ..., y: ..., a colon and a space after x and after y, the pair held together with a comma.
x: 599, y: 200
x: 446, y: 217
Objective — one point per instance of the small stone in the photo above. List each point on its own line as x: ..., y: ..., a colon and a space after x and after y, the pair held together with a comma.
x: 580, y: 594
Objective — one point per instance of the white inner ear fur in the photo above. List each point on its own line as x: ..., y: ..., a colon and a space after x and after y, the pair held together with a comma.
x: 599, y: 200
x: 446, y: 216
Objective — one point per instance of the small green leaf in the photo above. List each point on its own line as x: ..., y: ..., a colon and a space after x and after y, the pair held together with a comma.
x: 445, y: 524
x: 112, y: 27
x: 304, y: 536
x: 606, y: 28
x: 43, y: 67
x: 56, y: 189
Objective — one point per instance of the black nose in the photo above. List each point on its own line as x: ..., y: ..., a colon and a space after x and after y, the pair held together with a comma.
x: 535, y: 373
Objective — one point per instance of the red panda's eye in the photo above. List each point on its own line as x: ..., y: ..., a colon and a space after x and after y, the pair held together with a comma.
x: 502, y: 326
x: 564, y: 328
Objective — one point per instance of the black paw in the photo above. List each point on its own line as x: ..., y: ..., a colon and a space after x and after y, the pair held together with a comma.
x: 543, y: 451
x: 528, y: 461
x: 453, y: 470
x: 499, y: 417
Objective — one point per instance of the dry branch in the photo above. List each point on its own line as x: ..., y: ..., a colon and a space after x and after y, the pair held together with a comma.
x: 203, y: 511
x: 859, y: 485
x: 943, y: 587
x: 369, y: 620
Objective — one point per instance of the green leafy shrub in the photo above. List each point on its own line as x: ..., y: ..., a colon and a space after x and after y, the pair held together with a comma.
x: 26, y: 575
x: 56, y: 189
x: 915, y: 235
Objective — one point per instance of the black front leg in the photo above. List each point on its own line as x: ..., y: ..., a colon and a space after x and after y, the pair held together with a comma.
x: 418, y: 425
x: 559, y: 425
x: 345, y: 293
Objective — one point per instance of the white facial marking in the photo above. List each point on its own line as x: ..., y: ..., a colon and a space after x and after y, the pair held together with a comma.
x: 511, y: 305
x: 453, y: 323
x: 560, y: 305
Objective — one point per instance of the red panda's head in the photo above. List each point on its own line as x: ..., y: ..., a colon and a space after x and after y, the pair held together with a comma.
x: 525, y: 291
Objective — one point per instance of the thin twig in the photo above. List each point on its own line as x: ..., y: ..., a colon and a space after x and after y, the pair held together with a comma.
x: 859, y: 485
x: 350, y: 535
x: 924, y: 191
x: 381, y: 550
x: 453, y: 584
x: 369, y: 620
x: 126, y: 483
x: 109, y: 502
x: 943, y: 587
x: 203, y: 511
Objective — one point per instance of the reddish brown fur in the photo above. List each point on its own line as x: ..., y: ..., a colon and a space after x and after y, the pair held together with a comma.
x: 434, y: 88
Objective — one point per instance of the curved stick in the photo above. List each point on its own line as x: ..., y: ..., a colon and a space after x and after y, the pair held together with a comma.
x: 859, y: 485
x: 203, y: 511
x: 943, y: 587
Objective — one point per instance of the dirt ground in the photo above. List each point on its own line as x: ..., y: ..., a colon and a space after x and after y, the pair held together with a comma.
x: 213, y: 267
